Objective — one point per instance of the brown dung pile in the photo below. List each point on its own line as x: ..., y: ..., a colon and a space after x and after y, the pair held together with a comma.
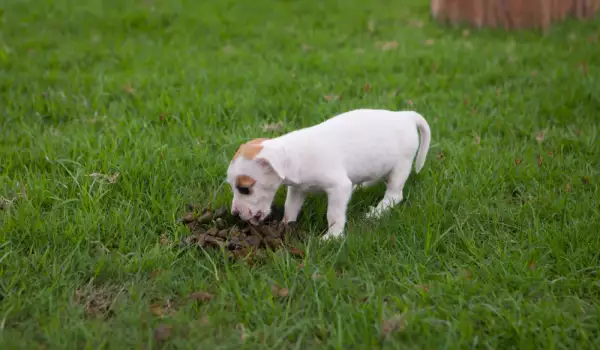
x: 218, y: 229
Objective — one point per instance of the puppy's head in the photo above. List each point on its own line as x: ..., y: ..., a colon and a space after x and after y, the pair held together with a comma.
x: 254, y: 174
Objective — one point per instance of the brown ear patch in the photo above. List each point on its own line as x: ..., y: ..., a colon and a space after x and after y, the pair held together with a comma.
x: 244, y: 181
x: 250, y: 149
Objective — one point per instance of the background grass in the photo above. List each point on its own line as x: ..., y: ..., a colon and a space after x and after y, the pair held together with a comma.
x: 496, y: 246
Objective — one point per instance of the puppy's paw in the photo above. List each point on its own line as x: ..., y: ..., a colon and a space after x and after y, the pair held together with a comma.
x: 373, y: 213
x: 332, y: 235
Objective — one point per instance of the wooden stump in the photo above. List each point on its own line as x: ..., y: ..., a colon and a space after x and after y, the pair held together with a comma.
x: 511, y: 14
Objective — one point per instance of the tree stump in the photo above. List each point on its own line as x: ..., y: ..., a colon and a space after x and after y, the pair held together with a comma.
x: 511, y: 14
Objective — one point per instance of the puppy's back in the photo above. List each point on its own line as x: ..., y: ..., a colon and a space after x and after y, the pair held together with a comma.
x: 365, y: 142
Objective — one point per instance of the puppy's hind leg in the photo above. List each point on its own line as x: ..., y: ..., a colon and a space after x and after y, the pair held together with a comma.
x: 395, y: 185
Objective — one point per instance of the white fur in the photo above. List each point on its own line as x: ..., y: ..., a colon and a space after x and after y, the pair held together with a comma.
x: 359, y: 147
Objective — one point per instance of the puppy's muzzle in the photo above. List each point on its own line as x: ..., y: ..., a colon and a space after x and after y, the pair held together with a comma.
x: 253, y: 219
x: 256, y: 218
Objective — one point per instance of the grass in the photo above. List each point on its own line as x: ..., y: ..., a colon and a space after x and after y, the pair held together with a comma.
x: 115, y: 114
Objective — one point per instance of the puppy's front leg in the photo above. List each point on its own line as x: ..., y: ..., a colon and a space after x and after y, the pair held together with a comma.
x: 337, y: 204
x: 293, y: 202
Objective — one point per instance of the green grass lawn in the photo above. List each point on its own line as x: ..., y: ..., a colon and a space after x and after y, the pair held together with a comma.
x: 116, y: 114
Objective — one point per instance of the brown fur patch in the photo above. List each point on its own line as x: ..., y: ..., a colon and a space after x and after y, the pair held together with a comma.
x: 244, y: 181
x: 249, y: 149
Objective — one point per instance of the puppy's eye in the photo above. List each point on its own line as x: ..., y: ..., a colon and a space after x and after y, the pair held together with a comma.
x: 243, y: 190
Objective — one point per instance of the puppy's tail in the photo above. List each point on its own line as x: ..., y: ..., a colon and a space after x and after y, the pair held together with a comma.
x: 425, y: 140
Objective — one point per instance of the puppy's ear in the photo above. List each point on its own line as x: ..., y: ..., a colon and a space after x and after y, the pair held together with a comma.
x: 273, y: 160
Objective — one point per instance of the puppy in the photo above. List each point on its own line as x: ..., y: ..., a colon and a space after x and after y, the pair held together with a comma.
x: 359, y: 147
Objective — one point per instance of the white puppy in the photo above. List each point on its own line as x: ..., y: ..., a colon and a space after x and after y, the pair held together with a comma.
x: 359, y: 147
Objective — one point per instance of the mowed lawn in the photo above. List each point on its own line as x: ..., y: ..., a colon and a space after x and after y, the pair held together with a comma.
x: 115, y: 114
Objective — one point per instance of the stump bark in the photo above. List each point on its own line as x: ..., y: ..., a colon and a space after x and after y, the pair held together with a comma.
x: 512, y: 14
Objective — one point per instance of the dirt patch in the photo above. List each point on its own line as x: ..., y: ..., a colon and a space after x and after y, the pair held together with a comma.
x: 218, y: 229
x: 97, y: 301
x: 163, y: 332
